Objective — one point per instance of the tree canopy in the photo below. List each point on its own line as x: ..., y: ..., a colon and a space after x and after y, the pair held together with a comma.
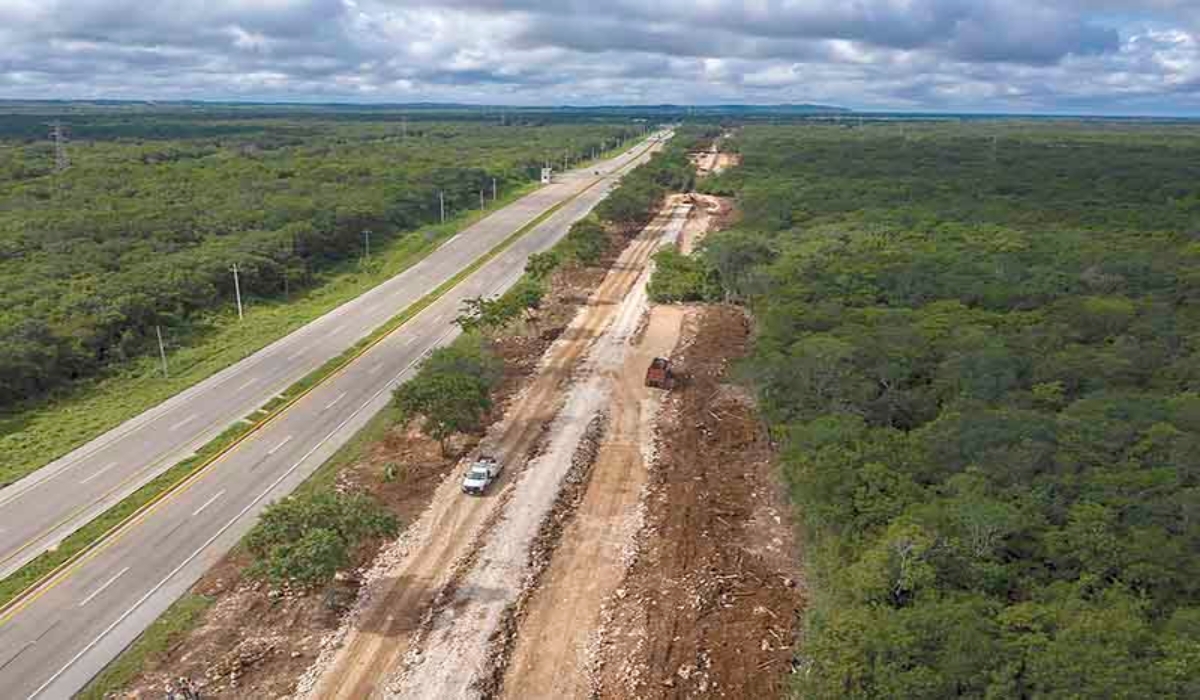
x: 452, y: 388
x: 143, y: 229
x: 981, y: 347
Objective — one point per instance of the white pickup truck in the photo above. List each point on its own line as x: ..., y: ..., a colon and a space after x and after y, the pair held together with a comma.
x: 482, y: 472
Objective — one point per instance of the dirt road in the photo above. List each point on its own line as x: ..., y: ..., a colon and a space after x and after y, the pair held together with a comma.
x: 709, y: 607
x: 706, y: 161
x: 551, y: 658
x: 709, y: 213
x: 417, y: 574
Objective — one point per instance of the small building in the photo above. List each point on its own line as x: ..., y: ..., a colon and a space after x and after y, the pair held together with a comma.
x: 546, y: 173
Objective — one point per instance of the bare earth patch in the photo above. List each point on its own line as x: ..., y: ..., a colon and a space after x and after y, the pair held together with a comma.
x: 464, y: 561
x: 554, y: 646
x: 256, y: 640
x: 639, y: 545
x: 710, y: 607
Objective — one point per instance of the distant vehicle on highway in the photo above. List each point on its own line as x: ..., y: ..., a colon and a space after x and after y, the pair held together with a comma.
x: 480, y: 475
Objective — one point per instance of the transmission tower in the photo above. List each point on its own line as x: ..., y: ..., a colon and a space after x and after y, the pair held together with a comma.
x: 61, y: 160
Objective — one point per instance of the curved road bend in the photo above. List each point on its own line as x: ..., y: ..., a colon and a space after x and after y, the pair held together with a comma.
x: 40, y: 510
x: 70, y: 629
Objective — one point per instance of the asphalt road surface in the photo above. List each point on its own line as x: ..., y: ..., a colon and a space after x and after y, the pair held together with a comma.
x: 64, y: 634
x: 40, y: 510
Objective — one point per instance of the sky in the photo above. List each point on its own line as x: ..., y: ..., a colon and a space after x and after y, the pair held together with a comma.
x: 1027, y: 56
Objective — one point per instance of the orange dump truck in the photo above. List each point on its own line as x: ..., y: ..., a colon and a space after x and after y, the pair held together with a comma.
x: 659, y: 374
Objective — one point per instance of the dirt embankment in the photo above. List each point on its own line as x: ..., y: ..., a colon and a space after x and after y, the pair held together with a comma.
x: 709, y: 214
x: 710, y: 606
x: 662, y: 565
x: 464, y: 559
x: 555, y: 651
x: 257, y: 640
x: 714, y: 161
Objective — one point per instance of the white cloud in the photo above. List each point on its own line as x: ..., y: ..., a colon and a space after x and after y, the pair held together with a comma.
x: 1064, y: 55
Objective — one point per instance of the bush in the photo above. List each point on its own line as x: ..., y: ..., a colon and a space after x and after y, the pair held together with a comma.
x: 679, y: 278
x: 452, y: 388
x: 307, y: 539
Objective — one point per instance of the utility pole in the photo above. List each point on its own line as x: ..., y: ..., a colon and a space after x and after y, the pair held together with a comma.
x: 482, y: 205
x: 237, y: 291
x: 162, y: 352
x: 493, y: 189
x: 367, y: 245
x: 442, y: 205
x: 61, y: 160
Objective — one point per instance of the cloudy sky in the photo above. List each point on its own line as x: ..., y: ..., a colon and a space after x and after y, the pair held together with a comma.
x: 1078, y: 56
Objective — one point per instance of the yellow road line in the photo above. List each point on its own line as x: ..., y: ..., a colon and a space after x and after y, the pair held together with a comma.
x: 40, y: 587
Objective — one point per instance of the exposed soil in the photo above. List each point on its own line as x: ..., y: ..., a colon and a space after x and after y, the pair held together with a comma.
x: 257, y: 640
x: 430, y: 573
x: 709, y: 214
x: 713, y: 161
x: 710, y: 606
x: 704, y: 161
x: 726, y: 161
x: 552, y: 655
x: 639, y: 543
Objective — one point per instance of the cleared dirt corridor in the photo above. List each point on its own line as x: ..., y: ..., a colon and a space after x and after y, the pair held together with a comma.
x: 552, y: 657
x: 423, y: 569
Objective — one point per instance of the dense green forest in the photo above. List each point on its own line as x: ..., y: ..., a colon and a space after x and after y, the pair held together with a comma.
x: 143, y: 228
x: 980, y: 348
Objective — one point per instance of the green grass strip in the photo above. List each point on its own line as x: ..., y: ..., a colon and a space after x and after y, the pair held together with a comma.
x: 51, y: 563
x: 35, y: 436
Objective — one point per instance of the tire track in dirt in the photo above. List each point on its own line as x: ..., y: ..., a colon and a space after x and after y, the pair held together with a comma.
x: 397, y: 606
x: 455, y: 655
x: 551, y: 656
x: 711, y: 605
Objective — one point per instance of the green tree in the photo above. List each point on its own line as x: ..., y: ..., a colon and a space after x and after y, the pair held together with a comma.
x: 680, y: 278
x: 452, y: 388
x: 307, y: 539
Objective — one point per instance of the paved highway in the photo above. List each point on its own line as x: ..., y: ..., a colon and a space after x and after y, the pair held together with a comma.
x: 55, y: 641
x: 40, y: 510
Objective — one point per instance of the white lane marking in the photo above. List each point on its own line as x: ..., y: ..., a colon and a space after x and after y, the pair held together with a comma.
x: 101, y: 589
x: 407, y: 341
x: 333, y: 403
x: 275, y: 449
x: 247, y: 383
x: 296, y: 355
x: 184, y: 422
x: 375, y: 368
x: 208, y: 503
x: 158, y: 586
x: 98, y: 472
